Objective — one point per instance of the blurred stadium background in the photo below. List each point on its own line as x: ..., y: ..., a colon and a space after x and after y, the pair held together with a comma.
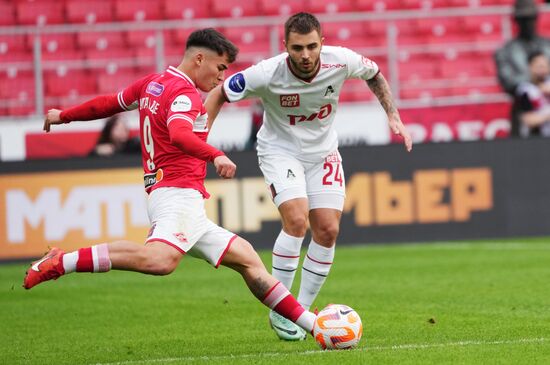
x: 436, y: 54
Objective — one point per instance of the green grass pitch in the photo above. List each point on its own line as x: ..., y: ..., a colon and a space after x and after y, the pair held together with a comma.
x: 483, y: 302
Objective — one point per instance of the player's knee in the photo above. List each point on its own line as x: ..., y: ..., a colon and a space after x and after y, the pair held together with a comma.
x: 327, y: 233
x: 296, y: 226
x: 161, y: 262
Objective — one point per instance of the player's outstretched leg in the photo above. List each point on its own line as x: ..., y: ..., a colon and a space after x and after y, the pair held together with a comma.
x: 156, y: 258
x: 242, y: 258
x: 285, y: 259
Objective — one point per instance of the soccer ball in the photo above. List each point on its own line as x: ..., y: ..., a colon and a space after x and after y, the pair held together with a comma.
x: 337, y: 327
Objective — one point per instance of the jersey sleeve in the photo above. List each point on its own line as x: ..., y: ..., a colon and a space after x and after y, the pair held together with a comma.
x: 245, y: 84
x: 183, y: 106
x: 128, y: 98
x: 360, y: 67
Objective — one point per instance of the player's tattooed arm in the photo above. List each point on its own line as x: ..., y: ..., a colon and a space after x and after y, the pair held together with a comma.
x: 379, y: 86
x: 381, y: 89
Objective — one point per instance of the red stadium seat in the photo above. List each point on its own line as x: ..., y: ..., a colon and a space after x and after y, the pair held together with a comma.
x: 137, y: 10
x: 355, y: 90
x: 418, y: 69
x: 64, y: 55
x: 89, y: 12
x: 111, y: 54
x: 177, y: 9
x: 100, y: 40
x: 250, y: 39
x: 474, y: 90
x: 423, y: 93
x: 7, y: 13
x: 438, y: 26
x: 40, y: 12
x: 282, y: 7
x: 112, y: 83
x: 21, y: 88
x: 72, y: 83
x: 12, y: 43
x: 376, y: 28
x: 179, y: 36
x: 140, y: 38
x: 454, y: 38
x: 331, y: 6
x: 377, y: 5
x: 482, y: 24
x: 26, y: 108
x: 52, y: 42
x: 235, y: 8
x: 16, y: 56
x: 465, y: 69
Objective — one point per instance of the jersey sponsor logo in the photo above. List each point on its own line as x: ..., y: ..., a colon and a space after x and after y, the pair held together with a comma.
x: 237, y: 83
x: 181, y: 104
x: 152, y: 178
x: 323, y: 112
x: 290, y: 101
x: 329, y: 91
x: 332, y: 65
x: 180, y: 237
x: 154, y: 88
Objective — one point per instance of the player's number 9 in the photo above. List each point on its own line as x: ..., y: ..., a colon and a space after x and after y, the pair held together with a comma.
x: 148, y: 142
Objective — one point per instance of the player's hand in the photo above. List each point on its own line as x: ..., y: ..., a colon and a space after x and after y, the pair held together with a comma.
x: 399, y: 129
x: 52, y: 117
x: 225, y: 167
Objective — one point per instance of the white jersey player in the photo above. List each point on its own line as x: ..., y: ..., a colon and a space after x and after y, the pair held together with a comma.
x: 298, y: 146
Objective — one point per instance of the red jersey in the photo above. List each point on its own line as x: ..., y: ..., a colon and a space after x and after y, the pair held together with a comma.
x: 164, y: 99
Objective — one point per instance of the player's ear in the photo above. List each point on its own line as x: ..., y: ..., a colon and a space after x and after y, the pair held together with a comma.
x: 199, y: 58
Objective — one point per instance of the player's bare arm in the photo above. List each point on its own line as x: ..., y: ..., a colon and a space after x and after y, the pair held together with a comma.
x: 381, y: 89
x: 213, y: 104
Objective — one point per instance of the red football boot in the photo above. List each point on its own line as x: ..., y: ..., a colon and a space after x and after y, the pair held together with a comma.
x: 47, y: 268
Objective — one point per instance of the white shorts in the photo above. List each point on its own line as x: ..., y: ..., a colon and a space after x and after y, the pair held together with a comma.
x: 322, y: 183
x: 178, y: 219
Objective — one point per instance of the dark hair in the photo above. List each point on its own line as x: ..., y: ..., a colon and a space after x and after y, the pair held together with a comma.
x: 534, y: 54
x: 302, y: 23
x: 105, y: 135
x: 211, y: 39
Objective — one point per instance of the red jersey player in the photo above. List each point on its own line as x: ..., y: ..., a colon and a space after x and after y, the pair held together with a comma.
x: 173, y: 124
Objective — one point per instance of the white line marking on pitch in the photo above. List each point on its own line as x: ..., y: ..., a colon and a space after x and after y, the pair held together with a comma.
x: 311, y: 352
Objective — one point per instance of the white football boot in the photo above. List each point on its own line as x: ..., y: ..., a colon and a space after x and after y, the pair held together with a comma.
x: 286, y: 329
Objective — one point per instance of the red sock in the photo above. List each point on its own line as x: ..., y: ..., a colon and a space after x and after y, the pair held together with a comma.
x: 85, y: 261
x: 281, y: 301
x: 90, y: 259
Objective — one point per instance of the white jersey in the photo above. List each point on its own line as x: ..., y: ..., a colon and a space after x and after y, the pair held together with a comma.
x: 299, y: 114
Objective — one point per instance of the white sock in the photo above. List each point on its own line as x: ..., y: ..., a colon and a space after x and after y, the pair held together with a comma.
x: 285, y: 258
x: 306, y: 321
x: 315, y: 269
x: 69, y: 261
